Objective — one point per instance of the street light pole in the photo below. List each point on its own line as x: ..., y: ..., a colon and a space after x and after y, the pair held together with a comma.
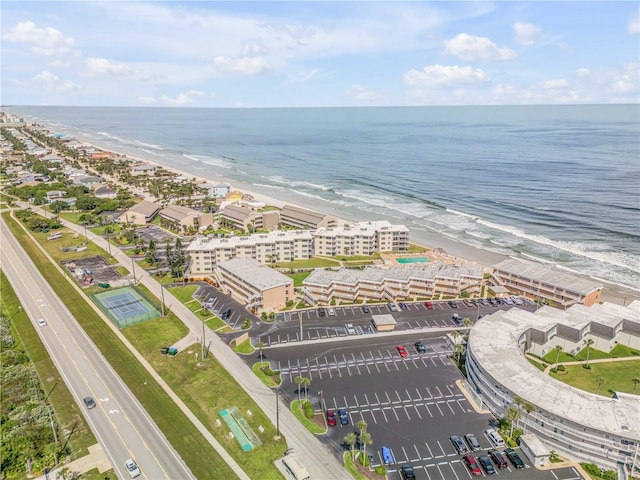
x: 133, y: 270
x: 277, y: 413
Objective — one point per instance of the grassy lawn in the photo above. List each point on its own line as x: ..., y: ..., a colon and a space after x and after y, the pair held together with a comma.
x: 617, y: 352
x: 351, y: 467
x: 67, y: 412
x: 185, y: 294
x: 268, y: 380
x: 180, y: 432
x: 564, y: 357
x: 310, y: 425
x: 214, y: 323
x: 68, y: 216
x: 244, y: 347
x: 298, y: 278
x: 358, y: 258
x: 617, y: 376
x: 311, y: 263
x: 53, y: 247
x: 538, y: 365
x: 122, y: 271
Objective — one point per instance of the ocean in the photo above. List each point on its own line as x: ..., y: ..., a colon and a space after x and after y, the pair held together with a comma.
x: 555, y: 184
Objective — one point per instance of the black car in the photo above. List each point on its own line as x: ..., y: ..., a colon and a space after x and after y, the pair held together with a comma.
x: 321, y: 312
x: 497, y: 458
x: 226, y: 314
x: 420, y: 348
x: 486, y: 465
x: 365, y: 309
x: 407, y: 473
x: 458, y: 444
x: 514, y: 458
x: 453, y: 304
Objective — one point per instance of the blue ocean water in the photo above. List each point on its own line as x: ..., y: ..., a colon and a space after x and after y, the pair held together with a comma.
x: 559, y: 184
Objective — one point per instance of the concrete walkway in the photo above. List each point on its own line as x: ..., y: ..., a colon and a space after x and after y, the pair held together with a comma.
x: 584, y: 362
x: 95, y: 459
x: 315, y: 455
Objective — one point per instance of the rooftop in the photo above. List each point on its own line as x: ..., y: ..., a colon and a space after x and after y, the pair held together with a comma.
x: 177, y: 212
x: 361, y: 228
x: 548, y: 275
x: 302, y: 214
x: 494, y: 340
x: 254, y: 273
x: 145, y: 208
x: 255, y: 239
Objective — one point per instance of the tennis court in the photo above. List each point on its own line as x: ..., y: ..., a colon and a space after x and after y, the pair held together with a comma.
x: 126, y: 306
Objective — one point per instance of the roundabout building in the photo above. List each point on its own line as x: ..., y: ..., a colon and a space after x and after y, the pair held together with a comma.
x: 575, y: 423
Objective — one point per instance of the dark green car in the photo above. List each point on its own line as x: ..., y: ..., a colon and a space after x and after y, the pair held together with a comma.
x: 420, y: 348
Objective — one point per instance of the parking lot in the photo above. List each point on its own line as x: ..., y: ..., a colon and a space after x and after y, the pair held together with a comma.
x: 411, y: 404
x: 218, y: 302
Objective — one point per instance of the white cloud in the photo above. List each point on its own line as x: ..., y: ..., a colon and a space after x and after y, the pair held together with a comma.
x: 477, y: 49
x: 555, y: 84
x: 360, y: 92
x: 103, y: 67
x: 303, y: 77
x: 147, y: 100
x: 241, y: 65
x: 583, y: 72
x: 526, y: 33
x: 634, y: 23
x: 435, y: 76
x: 44, y: 41
x: 504, y: 89
x: 53, y: 82
x: 185, y: 98
x: 564, y: 46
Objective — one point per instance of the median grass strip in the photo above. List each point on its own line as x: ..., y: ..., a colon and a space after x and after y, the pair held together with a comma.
x: 309, y: 424
x: 181, y: 433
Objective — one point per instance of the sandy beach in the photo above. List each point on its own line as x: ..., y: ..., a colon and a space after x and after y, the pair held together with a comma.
x: 612, y: 293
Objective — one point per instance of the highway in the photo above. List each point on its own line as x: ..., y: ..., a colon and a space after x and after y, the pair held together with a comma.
x: 119, y: 422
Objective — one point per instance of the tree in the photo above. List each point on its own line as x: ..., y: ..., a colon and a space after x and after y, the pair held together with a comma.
x: 599, y: 383
x: 260, y: 345
x: 466, y: 321
x: 299, y: 380
x: 558, y: 349
x: 365, y: 439
x: 636, y: 381
x: 58, y: 206
x: 362, y: 426
x: 587, y: 343
x: 528, y: 407
x: 350, y: 440
x: 306, y: 381
x: 512, y: 414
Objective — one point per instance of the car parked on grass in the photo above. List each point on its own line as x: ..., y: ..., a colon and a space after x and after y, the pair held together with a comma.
x: 42, y: 322
x: 402, y: 351
x: 472, y: 465
x: 343, y: 416
x: 350, y: 329
x: 458, y: 444
x: 486, y: 465
x: 407, y: 473
x: 472, y: 441
x: 420, y: 348
x: 514, y: 458
x: 331, y: 418
x: 89, y: 402
x: 132, y: 468
x: 498, y: 459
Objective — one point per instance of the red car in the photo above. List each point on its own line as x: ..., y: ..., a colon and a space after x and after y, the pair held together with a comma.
x: 472, y: 465
x: 402, y: 351
x: 331, y: 418
x: 429, y: 305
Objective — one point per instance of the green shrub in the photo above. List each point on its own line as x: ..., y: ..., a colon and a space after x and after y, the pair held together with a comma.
x: 246, y: 323
x: 591, y: 468
x: 308, y: 409
x: 263, y: 316
x: 561, y: 368
x: 381, y: 470
x: 289, y: 303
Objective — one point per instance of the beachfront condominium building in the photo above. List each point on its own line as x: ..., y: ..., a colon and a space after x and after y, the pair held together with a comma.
x: 248, y: 220
x: 362, y: 238
x: 265, y: 248
x: 537, y: 281
x: 395, y: 283
x: 181, y: 218
x: 254, y: 285
x: 141, y: 213
x: 293, y: 216
x: 601, y: 429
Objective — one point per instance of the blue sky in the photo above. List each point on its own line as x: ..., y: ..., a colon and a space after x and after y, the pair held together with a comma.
x: 306, y: 53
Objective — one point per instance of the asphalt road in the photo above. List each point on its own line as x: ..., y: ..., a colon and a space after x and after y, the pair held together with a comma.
x: 121, y: 425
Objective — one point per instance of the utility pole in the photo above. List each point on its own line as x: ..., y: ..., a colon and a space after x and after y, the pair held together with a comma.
x: 162, y: 295
x: 277, y: 413
x: 203, y: 331
x: 301, y: 337
x: 133, y: 270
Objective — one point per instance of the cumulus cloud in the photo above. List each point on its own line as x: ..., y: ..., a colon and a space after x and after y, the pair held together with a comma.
x: 436, y: 76
x: 526, y: 33
x: 147, y: 100
x: 634, y: 23
x: 583, y: 72
x: 360, y: 92
x: 504, y: 89
x: 241, y: 65
x: 185, y: 98
x: 555, y: 84
x: 44, y: 41
x: 53, y: 82
x: 477, y: 49
x: 104, y: 67
x: 565, y: 47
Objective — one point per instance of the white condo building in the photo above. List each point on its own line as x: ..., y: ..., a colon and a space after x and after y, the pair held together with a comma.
x: 361, y: 238
x: 600, y: 429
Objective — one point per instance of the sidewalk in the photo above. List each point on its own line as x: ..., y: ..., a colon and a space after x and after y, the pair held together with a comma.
x: 584, y: 362
x: 314, y: 454
x: 95, y: 459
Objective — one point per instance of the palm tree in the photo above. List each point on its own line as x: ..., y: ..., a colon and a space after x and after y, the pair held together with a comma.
x: 365, y: 439
x: 599, y: 383
x: 350, y: 439
x: 362, y: 426
x: 306, y: 381
x: 512, y: 414
x: 587, y: 343
x: 636, y: 381
x: 558, y: 349
x: 528, y: 407
x: 298, y: 381
x: 260, y: 345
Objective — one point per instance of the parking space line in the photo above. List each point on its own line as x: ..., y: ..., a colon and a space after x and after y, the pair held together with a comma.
x: 448, y: 401
x: 430, y: 452
x: 454, y: 472
x: 405, y: 456
x: 397, y: 395
x: 461, y: 407
x: 394, y: 412
x: 405, y: 411
x: 438, y: 406
x: 450, y: 392
x: 419, y: 396
x: 429, y: 392
x: 388, y: 399
x: 385, y: 415
x: 433, y: 361
x: 416, y: 409
x: 417, y: 452
x: 444, y: 454
x: 377, y: 399
x: 440, y: 395
x: 428, y: 410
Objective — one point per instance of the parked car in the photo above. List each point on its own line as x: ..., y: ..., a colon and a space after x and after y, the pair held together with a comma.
x: 407, y: 473
x: 494, y: 437
x: 402, y: 351
x: 472, y: 465
x: 343, y: 416
x: 132, y: 468
x: 392, y: 307
x: 350, y: 329
x: 365, y: 309
x: 321, y: 312
x: 387, y: 456
x: 453, y: 304
x: 514, y: 458
x: 42, y: 322
x: 486, y: 465
x: 331, y: 418
x: 403, y: 306
x: 457, y: 318
x: 472, y: 441
x: 498, y: 459
x: 89, y: 402
x: 331, y: 311
x: 458, y: 444
x: 420, y: 348
x: 429, y: 305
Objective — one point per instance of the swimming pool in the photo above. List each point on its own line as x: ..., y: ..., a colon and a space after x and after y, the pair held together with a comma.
x: 412, y: 260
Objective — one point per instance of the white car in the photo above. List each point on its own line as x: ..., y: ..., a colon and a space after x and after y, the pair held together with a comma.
x: 331, y: 311
x: 132, y: 468
x: 350, y: 329
x: 42, y: 322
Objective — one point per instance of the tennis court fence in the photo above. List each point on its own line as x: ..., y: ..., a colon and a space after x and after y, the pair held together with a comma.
x: 153, y: 311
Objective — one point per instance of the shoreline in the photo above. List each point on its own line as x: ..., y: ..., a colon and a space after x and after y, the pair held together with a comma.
x: 430, y: 240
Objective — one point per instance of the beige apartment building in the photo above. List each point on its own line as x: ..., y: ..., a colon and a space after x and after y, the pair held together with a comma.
x: 265, y: 248
x: 390, y: 284
x: 297, y: 217
x: 141, y: 213
x: 256, y: 286
x: 181, y: 218
x: 363, y: 238
x: 246, y: 219
x: 537, y: 281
